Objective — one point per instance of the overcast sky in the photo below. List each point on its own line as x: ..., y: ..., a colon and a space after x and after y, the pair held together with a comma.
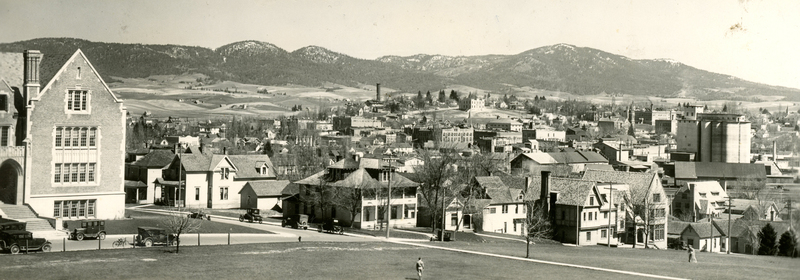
x: 755, y: 40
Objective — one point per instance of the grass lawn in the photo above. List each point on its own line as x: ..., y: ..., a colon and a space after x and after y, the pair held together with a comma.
x: 661, y: 262
x: 307, y: 260
x: 139, y: 219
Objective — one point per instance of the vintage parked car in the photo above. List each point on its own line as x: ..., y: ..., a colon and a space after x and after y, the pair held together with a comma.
x: 81, y: 229
x: 13, y: 225
x: 15, y: 241
x: 251, y: 216
x: 331, y: 226
x: 296, y: 221
x: 199, y: 215
x: 148, y: 236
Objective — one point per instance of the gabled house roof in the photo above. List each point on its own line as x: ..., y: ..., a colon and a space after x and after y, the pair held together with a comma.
x: 576, y: 157
x: 156, y: 159
x: 638, y: 182
x: 570, y: 191
x: 703, y: 229
x: 267, y: 188
x: 248, y: 166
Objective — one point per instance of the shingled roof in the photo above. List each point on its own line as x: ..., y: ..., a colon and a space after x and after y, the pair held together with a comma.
x: 12, y: 68
x: 635, y: 180
x: 248, y: 166
x: 268, y: 188
x: 156, y: 159
x: 692, y: 170
x: 570, y: 191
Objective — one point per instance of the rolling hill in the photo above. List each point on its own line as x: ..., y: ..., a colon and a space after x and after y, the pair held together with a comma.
x: 561, y: 67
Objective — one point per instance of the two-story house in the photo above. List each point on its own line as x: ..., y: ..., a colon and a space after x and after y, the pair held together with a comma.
x: 505, y: 212
x: 574, y: 207
x: 142, y: 174
x: 650, y: 205
x: 698, y: 200
x: 366, y: 181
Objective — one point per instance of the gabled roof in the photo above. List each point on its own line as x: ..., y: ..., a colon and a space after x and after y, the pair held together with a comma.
x: 693, y: 170
x: 156, y: 159
x: 570, y: 191
x: 704, y: 229
x: 248, y: 166
x: 12, y: 69
x: 357, y: 179
x: 52, y: 65
x: 267, y: 188
x: 676, y: 227
x: 490, y: 182
x: 639, y: 182
x: 346, y: 163
x: 576, y: 157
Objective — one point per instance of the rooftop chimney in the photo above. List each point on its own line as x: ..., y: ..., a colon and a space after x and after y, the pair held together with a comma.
x: 31, y: 75
x: 378, y: 92
x: 545, y: 191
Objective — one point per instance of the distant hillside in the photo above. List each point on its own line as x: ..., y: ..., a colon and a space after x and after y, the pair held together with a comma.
x: 559, y: 67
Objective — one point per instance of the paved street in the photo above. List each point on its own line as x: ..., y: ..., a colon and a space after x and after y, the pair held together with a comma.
x: 191, y: 239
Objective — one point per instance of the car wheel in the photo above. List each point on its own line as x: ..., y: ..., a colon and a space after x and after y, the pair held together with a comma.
x: 148, y: 242
x: 47, y: 248
x: 174, y: 243
x: 241, y: 219
x: 79, y: 237
x: 283, y: 223
x: 101, y: 235
x: 260, y: 221
x: 208, y: 218
x: 14, y: 249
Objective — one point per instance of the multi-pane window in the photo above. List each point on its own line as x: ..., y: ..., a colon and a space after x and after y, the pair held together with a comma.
x: 3, y: 102
x: 77, y: 100
x: 196, y: 193
x: 656, y: 197
x: 77, y: 149
x: 74, y: 208
x: 603, y: 233
x: 505, y: 209
x: 4, y: 134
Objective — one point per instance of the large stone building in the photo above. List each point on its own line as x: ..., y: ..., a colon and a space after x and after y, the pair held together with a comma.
x: 68, y: 155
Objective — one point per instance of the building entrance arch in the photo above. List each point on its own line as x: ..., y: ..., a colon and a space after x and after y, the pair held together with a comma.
x: 11, y: 182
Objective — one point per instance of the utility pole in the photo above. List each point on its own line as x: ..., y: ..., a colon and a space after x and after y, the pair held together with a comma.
x: 728, y: 245
x: 388, y: 199
x: 610, y: 204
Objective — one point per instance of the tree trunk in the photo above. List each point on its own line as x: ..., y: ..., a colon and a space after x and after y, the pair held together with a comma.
x: 527, y: 247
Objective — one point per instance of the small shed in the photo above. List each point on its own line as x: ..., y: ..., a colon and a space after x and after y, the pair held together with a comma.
x: 263, y: 194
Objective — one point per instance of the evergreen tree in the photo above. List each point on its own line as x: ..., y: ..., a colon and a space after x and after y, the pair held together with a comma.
x: 724, y: 108
x: 442, y: 96
x: 787, y: 246
x: 631, y: 131
x: 453, y: 95
x: 542, y: 98
x: 536, y: 98
x: 428, y: 97
x: 767, y: 237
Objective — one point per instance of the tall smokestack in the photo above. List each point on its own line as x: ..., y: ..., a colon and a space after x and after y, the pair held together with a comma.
x: 545, y: 191
x: 774, y: 151
x: 378, y: 92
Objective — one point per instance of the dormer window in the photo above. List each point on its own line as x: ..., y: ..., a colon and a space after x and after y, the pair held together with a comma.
x: 715, y: 193
x: 263, y: 170
x: 702, y: 194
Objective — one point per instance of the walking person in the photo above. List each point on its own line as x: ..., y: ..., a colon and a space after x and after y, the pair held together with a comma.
x: 692, y: 258
x: 420, y: 267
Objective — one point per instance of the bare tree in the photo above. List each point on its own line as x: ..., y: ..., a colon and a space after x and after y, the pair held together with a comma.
x: 435, y: 176
x: 178, y: 222
x: 645, y: 212
x: 537, y: 224
x: 319, y: 196
x: 750, y: 187
x: 350, y: 200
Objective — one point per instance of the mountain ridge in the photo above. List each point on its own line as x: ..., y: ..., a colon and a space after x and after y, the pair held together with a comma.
x: 559, y: 67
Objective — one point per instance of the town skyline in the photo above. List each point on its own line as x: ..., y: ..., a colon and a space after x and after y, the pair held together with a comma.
x: 746, y: 39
